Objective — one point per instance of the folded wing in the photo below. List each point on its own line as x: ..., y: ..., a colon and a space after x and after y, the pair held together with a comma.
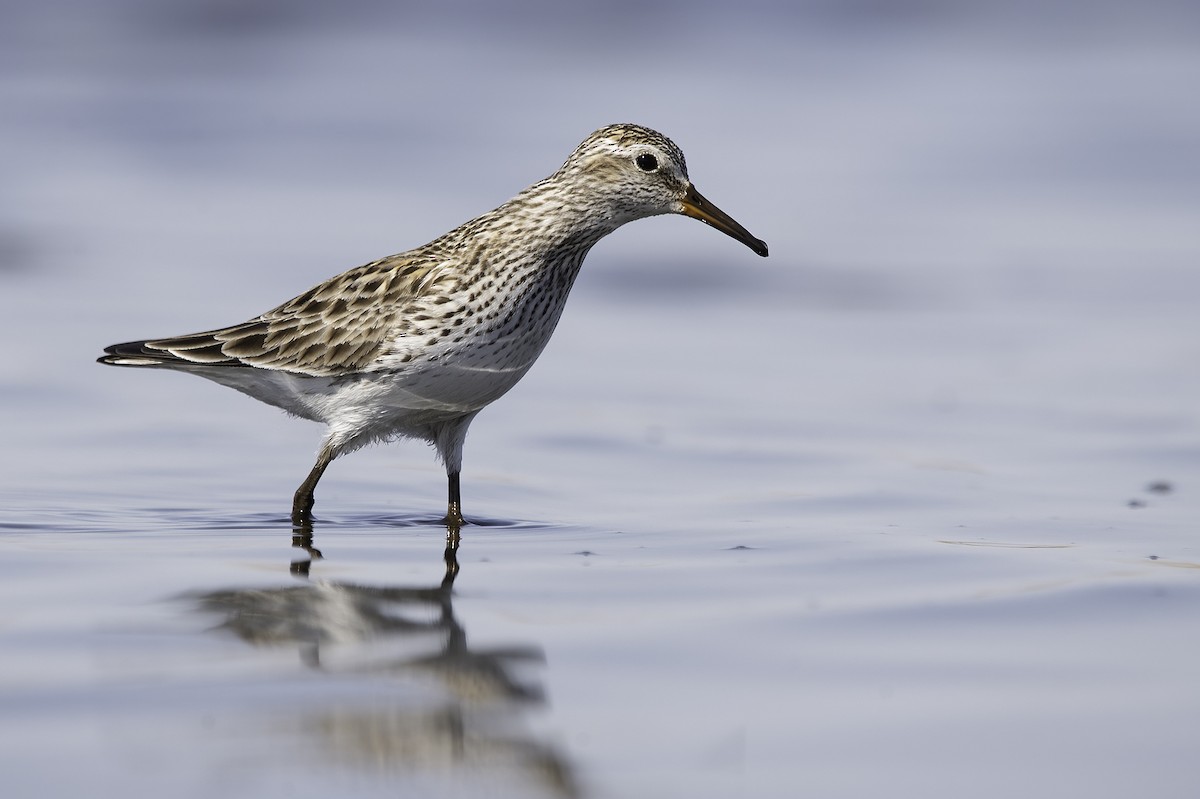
x: 339, y: 326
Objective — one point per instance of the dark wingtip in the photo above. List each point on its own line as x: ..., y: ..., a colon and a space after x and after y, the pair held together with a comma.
x: 131, y: 353
x: 110, y: 354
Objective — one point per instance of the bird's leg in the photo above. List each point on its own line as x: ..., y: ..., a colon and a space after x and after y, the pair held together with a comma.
x: 448, y: 437
x: 454, y: 519
x: 302, y: 503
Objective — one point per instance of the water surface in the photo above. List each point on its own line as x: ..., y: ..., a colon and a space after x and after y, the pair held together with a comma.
x: 909, y: 507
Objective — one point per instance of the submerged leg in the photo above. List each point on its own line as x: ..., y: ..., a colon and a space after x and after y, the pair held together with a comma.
x: 302, y: 503
x: 454, y: 518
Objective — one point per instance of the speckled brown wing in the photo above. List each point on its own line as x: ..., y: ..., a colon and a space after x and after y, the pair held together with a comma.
x: 339, y: 326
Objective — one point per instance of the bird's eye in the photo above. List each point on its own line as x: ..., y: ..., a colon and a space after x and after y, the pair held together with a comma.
x: 646, y: 162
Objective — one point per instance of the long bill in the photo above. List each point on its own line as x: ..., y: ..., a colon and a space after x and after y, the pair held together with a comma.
x: 695, y: 206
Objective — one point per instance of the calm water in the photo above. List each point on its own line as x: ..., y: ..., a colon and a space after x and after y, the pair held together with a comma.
x: 910, y: 507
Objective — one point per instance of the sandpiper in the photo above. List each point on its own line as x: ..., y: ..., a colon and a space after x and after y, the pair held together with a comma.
x: 414, y: 345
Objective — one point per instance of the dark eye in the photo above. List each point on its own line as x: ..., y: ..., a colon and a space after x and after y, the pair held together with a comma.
x: 646, y: 162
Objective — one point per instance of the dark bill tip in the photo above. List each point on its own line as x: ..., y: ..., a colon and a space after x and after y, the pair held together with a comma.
x: 696, y: 206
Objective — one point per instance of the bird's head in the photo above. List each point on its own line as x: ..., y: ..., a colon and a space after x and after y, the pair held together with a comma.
x: 639, y: 172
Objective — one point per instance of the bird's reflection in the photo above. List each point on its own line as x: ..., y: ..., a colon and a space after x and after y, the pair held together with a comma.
x: 477, y: 720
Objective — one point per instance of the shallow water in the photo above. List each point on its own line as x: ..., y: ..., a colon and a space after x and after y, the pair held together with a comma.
x: 908, y: 508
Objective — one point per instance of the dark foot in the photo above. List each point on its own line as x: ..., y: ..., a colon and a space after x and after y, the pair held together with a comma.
x: 454, y: 520
x: 302, y: 501
x: 302, y: 505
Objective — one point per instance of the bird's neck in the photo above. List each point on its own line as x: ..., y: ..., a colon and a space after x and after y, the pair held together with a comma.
x: 547, y: 229
x: 561, y: 218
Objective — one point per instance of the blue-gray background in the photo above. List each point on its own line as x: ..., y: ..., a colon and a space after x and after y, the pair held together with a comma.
x: 909, y: 506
